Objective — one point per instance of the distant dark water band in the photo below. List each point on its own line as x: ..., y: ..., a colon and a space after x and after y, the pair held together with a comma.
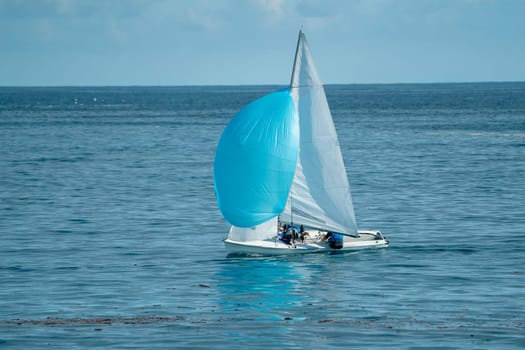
x: 458, y: 324
x: 92, y: 321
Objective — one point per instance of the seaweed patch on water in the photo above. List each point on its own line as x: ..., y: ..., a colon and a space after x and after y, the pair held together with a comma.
x: 94, y: 321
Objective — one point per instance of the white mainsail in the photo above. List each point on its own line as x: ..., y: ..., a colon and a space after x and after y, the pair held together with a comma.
x: 320, y: 195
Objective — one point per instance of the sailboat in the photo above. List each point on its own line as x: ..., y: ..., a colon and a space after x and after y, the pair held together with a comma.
x: 279, y: 175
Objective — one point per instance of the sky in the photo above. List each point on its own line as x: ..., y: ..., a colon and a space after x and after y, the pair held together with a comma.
x: 237, y: 42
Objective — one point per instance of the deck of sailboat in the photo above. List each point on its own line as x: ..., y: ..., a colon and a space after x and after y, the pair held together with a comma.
x: 272, y: 246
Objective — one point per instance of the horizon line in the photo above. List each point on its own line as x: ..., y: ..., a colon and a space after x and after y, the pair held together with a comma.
x: 264, y: 84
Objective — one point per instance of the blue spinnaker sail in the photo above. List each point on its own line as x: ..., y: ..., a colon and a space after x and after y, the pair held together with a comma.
x: 255, y: 160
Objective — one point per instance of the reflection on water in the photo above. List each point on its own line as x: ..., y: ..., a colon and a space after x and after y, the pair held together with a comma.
x: 262, y: 288
x: 280, y: 288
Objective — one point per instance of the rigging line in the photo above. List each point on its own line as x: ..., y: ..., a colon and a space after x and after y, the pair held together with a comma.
x: 291, y: 207
x: 295, y: 58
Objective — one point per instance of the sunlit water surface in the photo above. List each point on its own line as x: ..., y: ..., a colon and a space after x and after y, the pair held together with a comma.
x: 111, y: 236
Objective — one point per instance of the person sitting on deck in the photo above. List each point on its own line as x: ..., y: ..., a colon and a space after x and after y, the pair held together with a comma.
x: 283, y: 228
x: 291, y: 233
x: 285, y: 234
x: 325, y: 237
x: 282, y: 237
x: 334, y: 239
x: 303, y: 234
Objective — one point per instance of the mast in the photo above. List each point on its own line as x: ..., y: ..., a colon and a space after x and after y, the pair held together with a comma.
x: 291, y: 86
x: 295, y: 58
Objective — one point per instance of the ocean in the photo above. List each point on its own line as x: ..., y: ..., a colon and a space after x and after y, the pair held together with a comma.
x: 111, y: 236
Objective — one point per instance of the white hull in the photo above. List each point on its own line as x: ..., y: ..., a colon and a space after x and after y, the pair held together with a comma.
x: 367, y: 239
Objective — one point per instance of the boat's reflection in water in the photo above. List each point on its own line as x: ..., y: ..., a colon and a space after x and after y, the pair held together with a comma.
x: 268, y: 288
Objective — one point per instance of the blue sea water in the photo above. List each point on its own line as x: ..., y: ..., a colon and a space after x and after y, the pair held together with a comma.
x: 111, y: 236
